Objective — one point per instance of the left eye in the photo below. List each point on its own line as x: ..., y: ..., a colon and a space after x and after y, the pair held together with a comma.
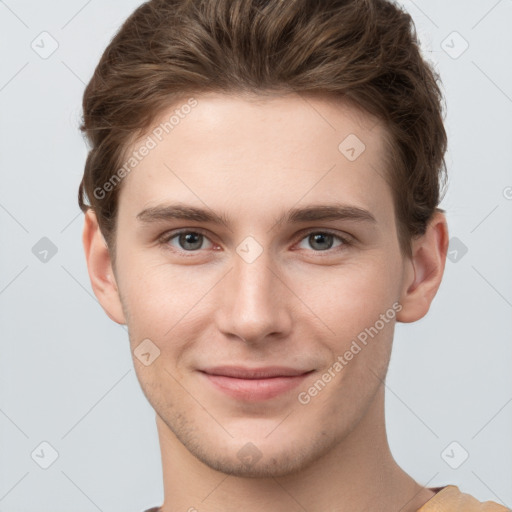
x: 323, y: 241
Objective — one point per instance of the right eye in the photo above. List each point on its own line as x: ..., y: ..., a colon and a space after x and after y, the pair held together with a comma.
x: 184, y: 240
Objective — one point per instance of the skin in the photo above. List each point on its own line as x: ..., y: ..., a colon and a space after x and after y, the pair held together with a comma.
x: 298, y: 304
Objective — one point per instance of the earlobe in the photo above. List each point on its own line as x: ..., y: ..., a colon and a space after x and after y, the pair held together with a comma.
x: 99, y: 266
x: 428, y: 263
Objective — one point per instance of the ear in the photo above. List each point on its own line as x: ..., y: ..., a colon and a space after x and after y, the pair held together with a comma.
x: 99, y: 266
x: 426, y: 268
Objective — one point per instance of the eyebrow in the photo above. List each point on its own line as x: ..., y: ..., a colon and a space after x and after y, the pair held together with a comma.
x: 324, y: 212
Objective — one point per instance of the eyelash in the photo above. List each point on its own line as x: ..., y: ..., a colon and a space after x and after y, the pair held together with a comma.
x: 167, y: 237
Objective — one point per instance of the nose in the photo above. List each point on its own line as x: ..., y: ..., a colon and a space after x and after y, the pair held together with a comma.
x: 254, y: 303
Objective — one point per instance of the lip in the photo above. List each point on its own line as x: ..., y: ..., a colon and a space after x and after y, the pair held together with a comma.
x: 254, y: 384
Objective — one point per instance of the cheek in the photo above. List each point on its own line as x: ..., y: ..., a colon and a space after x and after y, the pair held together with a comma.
x: 151, y: 289
x: 165, y: 303
x: 349, y: 298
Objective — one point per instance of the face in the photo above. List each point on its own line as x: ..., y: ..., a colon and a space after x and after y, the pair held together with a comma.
x: 258, y: 235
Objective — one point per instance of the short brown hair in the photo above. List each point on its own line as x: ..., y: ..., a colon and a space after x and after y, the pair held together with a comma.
x: 364, y: 51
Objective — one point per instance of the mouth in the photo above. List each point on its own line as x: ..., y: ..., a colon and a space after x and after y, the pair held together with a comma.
x: 254, y: 384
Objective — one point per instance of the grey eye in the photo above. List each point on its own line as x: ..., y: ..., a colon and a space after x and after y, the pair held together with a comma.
x: 321, y: 241
x: 188, y: 241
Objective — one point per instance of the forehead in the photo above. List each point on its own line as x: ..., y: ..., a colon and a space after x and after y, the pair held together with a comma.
x: 255, y: 153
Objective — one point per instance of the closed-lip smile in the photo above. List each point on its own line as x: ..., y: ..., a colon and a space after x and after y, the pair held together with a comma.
x: 254, y: 384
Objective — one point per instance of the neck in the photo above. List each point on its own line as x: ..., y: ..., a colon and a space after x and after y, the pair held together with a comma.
x: 359, y: 473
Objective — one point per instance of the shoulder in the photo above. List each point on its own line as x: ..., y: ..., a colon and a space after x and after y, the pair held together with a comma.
x: 451, y: 499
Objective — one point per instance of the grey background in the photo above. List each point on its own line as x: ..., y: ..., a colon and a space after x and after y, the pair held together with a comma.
x: 66, y: 374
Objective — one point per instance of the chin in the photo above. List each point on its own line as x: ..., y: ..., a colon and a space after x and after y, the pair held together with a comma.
x: 259, y: 456
x: 270, y: 465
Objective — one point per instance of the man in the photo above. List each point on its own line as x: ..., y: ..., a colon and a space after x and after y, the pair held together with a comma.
x: 263, y: 185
